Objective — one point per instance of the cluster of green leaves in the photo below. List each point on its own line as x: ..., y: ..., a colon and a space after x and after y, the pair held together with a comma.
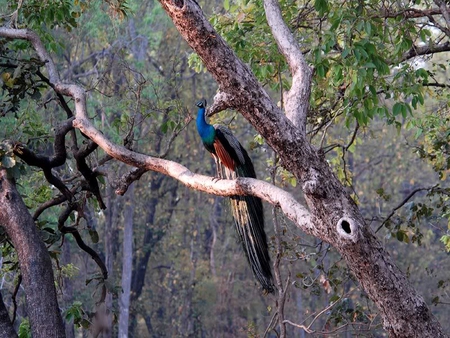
x: 78, y: 315
x: 244, y: 27
x: 435, y: 147
x: 25, y: 329
x: 18, y: 78
x: 358, y: 59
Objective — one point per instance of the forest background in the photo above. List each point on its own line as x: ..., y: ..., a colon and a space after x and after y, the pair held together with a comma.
x: 379, y: 112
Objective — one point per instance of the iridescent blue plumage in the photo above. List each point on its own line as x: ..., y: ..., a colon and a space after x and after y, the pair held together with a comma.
x: 206, y: 131
x: 232, y: 161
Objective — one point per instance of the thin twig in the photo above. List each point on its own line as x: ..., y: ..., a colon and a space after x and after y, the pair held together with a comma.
x: 308, y: 328
x: 402, y: 203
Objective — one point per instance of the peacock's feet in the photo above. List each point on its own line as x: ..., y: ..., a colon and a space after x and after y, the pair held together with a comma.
x: 216, y: 179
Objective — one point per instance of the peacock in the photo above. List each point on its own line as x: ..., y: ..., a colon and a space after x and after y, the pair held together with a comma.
x: 232, y: 161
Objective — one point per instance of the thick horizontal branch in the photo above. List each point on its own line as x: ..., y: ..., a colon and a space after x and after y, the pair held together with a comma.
x: 242, y: 186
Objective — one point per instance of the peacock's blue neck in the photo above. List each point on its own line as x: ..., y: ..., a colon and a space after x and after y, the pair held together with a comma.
x: 205, y: 130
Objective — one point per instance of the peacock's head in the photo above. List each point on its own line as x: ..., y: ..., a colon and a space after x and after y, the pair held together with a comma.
x: 201, y: 103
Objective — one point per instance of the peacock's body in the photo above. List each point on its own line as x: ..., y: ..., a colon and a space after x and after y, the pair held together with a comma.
x: 233, y: 161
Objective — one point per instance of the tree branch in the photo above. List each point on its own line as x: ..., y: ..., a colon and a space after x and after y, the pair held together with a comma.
x: 74, y: 232
x: 402, y: 203
x: 410, y: 13
x: 296, y: 100
x: 425, y: 50
x: 242, y: 186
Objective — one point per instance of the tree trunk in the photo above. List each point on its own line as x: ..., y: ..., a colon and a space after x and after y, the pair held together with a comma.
x: 34, y: 261
x: 110, y: 224
x: 127, y: 264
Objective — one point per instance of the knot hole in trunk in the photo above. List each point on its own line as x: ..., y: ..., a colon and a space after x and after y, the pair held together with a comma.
x: 347, y: 229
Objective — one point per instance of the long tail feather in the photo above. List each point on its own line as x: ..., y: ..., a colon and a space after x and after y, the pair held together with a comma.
x: 248, y: 217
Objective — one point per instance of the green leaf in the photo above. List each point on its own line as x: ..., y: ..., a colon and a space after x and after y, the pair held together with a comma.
x: 435, y: 300
x: 321, y: 6
x: 320, y: 71
x: 25, y: 329
x: 226, y: 5
x: 368, y: 28
x: 397, y: 108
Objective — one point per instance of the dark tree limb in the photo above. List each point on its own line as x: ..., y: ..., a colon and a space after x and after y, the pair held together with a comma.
x: 61, y: 98
x: 88, y: 174
x: 76, y: 235
x: 48, y: 163
x: 83, y: 186
x: 425, y: 50
x: 410, y: 13
x: 125, y: 180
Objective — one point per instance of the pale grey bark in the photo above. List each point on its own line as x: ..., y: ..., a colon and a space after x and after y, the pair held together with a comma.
x: 127, y: 264
x: 296, y: 100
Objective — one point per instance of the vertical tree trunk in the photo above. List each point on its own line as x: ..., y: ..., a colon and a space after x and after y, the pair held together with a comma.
x: 34, y: 261
x: 111, y: 214
x: 127, y: 264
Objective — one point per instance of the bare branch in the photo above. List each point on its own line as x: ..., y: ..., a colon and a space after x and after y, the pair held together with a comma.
x: 308, y: 328
x: 296, y: 100
x: 444, y: 10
